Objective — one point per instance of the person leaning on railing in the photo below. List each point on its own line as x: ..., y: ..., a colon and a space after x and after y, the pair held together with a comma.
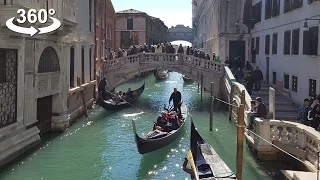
x: 261, y: 112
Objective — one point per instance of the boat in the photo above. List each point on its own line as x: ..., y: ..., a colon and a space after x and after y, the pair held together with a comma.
x: 187, y: 79
x: 161, y: 75
x: 204, y: 161
x: 112, y: 105
x: 156, y: 139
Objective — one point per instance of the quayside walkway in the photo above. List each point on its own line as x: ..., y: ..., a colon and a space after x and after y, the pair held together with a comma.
x: 279, y: 131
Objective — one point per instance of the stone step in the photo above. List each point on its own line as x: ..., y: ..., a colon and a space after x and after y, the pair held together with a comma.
x: 279, y: 99
x: 285, y: 109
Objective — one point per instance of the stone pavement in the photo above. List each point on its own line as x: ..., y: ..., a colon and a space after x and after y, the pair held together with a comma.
x: 285, y: 108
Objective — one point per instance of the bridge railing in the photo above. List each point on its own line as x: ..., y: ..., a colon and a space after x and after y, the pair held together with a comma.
x: 169, y: 59
x: 297, y: 139
x: 234, y: 90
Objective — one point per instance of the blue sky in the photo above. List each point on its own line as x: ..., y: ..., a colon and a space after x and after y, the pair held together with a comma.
x: 171, y: 12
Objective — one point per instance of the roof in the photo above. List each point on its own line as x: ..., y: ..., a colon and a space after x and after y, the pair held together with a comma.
x: 131, y: 11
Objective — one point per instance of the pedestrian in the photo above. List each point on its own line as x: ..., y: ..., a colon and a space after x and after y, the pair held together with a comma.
x: 258, y: 77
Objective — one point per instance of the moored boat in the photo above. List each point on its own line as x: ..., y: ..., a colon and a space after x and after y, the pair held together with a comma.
x: 161, y: 75
x: 204, y: 160
x: 187, y: 79
x: 157, y: 139
x: 112, y: 105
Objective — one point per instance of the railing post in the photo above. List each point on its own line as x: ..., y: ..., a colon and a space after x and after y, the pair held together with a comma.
x: 243, y: 97
x: 231, y: 100
x: 240, y: 138
x: 211, y: 107
x: 272, y: 94
x: 201, y: 86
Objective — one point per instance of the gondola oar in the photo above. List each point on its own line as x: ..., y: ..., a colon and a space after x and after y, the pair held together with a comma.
x: 192, y: 165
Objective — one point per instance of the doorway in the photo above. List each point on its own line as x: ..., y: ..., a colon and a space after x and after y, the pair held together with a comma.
x: 237, y: 48
x: 267, y: 69
x: 44, y: 114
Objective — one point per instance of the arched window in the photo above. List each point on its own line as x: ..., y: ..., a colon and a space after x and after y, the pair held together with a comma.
x: 49, y: 61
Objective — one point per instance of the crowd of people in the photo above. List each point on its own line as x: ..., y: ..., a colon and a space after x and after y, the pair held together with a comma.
x: 162, y: 48
x: 120, y: 96
x: 309, y: 112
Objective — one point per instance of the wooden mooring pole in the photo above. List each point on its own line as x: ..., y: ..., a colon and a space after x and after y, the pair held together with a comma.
x: 201, y: 86
x: 211, y: 107
x: 198, y: 87
x: 240, y: 139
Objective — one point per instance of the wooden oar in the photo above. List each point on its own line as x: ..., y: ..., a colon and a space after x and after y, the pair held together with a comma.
x: 192, y: 165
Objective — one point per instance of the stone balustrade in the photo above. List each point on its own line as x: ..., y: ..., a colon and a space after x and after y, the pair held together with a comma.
x: 300, y: 140
x: 121, y: 69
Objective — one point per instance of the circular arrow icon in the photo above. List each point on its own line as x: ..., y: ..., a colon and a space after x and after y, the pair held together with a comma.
x: 31, y: 30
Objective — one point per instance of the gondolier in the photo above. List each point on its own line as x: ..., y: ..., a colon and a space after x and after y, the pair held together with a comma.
x: 102, y: 88
x: 176, y: 98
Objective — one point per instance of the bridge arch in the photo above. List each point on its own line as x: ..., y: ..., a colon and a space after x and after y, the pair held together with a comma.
x: 122, y: 69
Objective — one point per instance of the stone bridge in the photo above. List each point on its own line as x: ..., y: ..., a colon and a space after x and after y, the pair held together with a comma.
x: 203, y: 71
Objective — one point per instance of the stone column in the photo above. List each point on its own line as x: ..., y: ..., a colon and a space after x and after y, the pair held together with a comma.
x: 60, y: 119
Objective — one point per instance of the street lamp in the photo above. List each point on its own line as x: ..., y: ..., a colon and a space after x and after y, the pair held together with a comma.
x: 305, y: 24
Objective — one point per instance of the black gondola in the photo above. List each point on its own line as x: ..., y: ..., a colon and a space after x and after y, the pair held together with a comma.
x: 207, y: 162
x: 187, y: 79
x: 156, y: 139
x: 111, y: 105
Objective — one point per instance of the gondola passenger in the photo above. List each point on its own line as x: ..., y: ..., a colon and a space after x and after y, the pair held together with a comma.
x: 116, y: 97
x: 161, y: 122
x: 129, y: 94
x: 174, y: 120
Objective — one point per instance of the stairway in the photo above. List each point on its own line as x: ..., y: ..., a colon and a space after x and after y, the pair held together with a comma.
x: 285, y: 108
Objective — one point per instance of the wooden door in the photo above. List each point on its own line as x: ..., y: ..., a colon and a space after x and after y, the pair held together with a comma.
x: 44, y: 114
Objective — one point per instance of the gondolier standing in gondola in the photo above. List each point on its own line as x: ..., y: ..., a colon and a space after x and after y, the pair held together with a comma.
x: 102, y: 88
x: 176, y: 98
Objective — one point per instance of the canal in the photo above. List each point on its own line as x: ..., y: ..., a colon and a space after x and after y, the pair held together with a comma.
x: 102, y: 147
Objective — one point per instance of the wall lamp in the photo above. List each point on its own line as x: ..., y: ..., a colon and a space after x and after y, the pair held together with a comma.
x: 305, y: 25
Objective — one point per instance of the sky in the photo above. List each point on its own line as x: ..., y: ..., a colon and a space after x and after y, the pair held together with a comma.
x: 171, y: 12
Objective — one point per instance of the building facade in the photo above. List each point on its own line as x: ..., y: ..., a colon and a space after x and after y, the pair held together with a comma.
x: 100, y: 30
x: 286, y: 51
x: 37, y: 81
x: 136, y: 28
x: 180, y: 32
x: 80, y: 57
x: 219, y: 26
x: 110, y: 29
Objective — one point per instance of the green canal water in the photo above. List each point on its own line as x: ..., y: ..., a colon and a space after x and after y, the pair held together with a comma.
x: 102, y: 147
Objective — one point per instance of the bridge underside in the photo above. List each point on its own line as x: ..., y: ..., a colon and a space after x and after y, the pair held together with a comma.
x: 188, y: 65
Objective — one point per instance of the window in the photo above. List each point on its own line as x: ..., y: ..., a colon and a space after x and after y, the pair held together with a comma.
x: 274, y: 78
x: 71, y: 67
x: 312, y: 87
x: 256, y: 13
x: 267, y: 10
x: 129, y: 24
x: 90, y: 63
x: 310, y: 41
x: 257, y: 45
x: 290, y: 5
x: 82, y: 65
x: 312, y: 1
x: 287, y: 42
x: 295, y: 41
x: 275, y: 8
x: 110, y: 33
x: 8, y: 91
x: 294, y: 85
x: 267, y: 44
x: 286, y: 81
x: 275, y: 43
x: 90, y: 15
